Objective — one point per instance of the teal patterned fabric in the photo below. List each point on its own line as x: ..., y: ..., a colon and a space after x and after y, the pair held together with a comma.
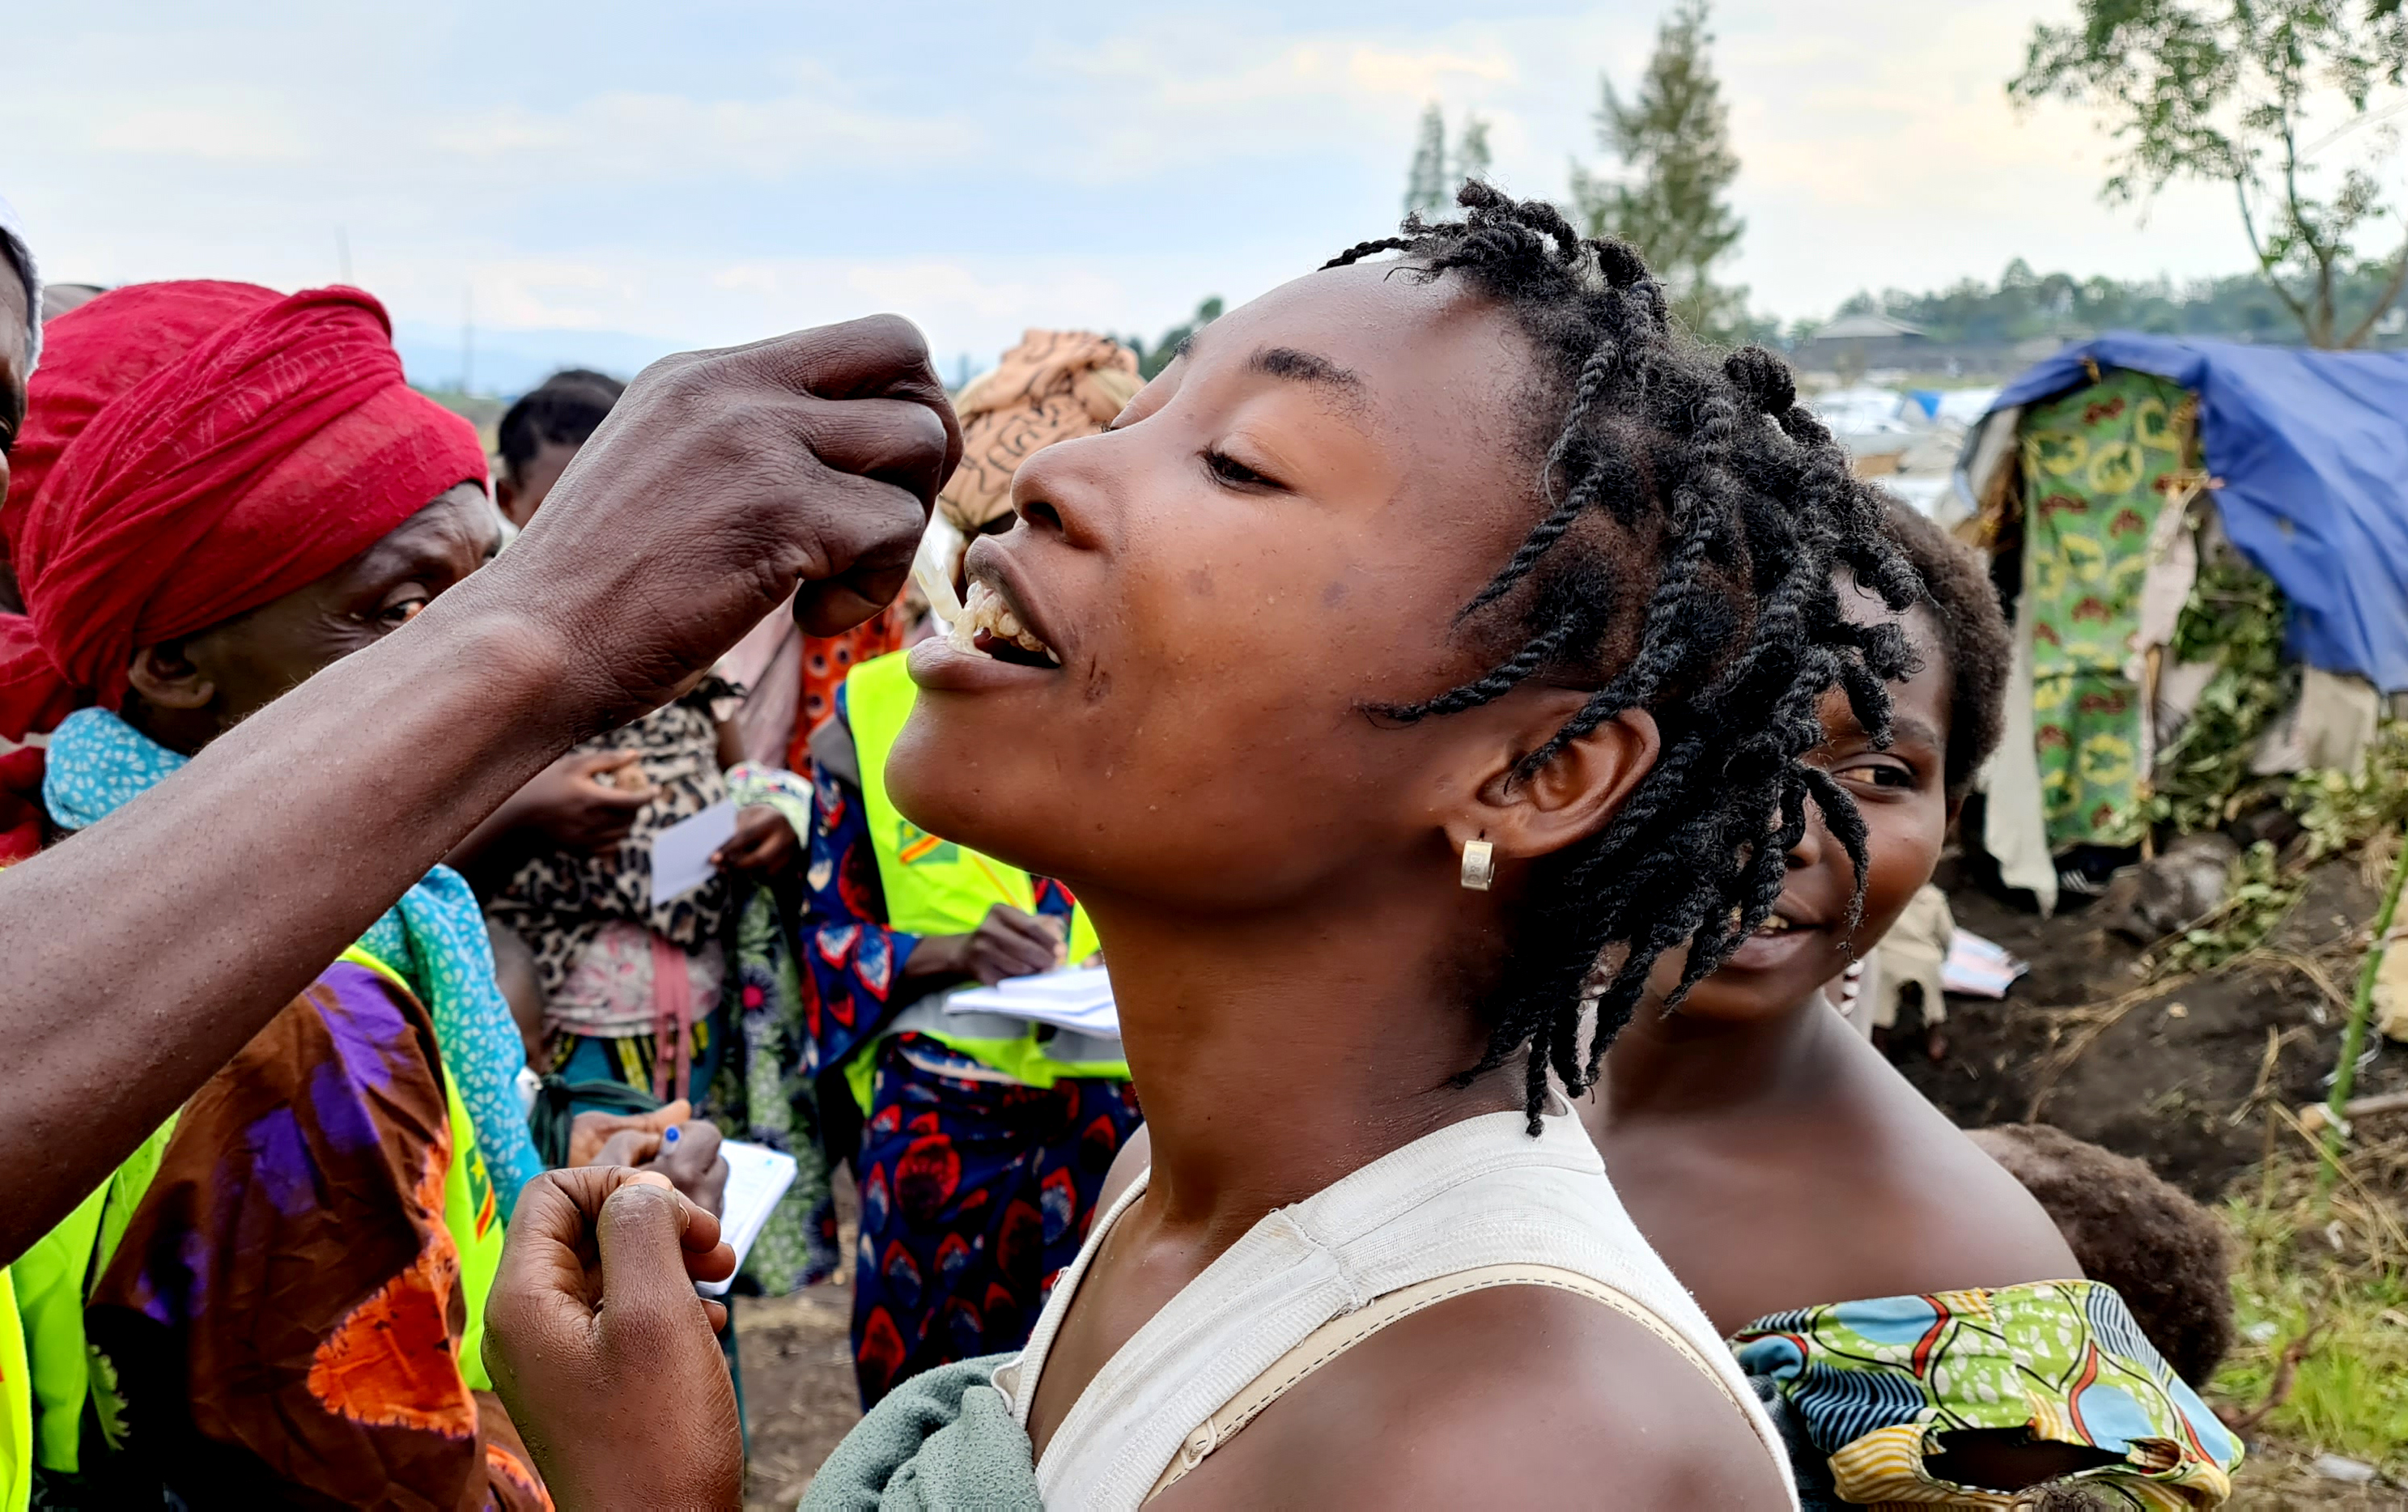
x: 435, y: 937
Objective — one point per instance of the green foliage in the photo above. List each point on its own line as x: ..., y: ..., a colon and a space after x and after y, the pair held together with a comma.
x: 2258, y: 895
x: 2341, y: 810
x: 1152, y: 359
x: 2024, y: 305
x: 2234, y: 618
x: 2350, y: 1395
x: 2235, y: 92
x: 1670, y: 202
x: 1430, y: 186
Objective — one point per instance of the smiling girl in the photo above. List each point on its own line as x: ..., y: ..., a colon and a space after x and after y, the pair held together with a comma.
x: 1785, y: 1169
x: 1433, y: 630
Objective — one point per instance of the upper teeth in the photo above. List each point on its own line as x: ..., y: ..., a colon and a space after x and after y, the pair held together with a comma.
x: 1773, y: 925
x: 985, y: 610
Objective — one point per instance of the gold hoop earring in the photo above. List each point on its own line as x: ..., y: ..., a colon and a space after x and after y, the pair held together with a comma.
x: 1479, y: 864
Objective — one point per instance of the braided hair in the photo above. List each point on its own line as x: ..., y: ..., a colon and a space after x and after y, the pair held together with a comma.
x: 1735, y: 499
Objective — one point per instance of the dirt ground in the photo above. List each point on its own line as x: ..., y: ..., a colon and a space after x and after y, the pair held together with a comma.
x: 2174, y: 1075
x: 799, y: 1397
x: 798, y: 1390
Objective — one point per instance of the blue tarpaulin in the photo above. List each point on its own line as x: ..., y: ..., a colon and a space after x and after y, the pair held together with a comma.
x: 2311, y: 448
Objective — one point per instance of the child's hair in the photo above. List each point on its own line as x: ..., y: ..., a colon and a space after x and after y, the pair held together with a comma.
x: 1974, y: 636
x: 2166, y: 1255
x: 1712, y: 481
x: 566, y: 409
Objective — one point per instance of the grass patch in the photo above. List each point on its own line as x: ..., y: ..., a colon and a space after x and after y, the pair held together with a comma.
x: 2337, y: 1277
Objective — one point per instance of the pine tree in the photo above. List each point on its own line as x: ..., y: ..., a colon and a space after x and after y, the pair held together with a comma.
x: 1429, y: 188
x: 1471, y: 152
x: 1425, y: 186
x: 1673, y: 139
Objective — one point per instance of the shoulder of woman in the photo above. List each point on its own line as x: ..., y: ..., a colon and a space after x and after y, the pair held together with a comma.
x: 1511, y: 1396
x: 1946, y: 1216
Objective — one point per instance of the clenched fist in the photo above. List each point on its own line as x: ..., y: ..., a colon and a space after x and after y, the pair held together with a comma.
x: 721, y: 482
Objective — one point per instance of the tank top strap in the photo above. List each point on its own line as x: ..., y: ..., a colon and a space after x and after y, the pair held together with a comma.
x: 1476, y: 1204
x: 1340, y: 1334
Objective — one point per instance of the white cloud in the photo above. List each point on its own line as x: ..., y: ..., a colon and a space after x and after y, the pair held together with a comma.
x: 630, y: 138
x: 754, y: 168
x: 217, y: 131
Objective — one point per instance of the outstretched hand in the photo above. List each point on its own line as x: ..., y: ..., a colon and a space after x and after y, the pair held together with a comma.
x: 721, y: 482
x: 590, y: 1134
x: 606, y: 1358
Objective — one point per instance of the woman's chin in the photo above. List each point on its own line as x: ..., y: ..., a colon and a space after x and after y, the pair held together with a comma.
x: 993, y: 797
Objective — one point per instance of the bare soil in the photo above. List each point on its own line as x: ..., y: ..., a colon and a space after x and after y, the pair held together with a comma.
x: 2176, y: 1075
x: 799, y: 1397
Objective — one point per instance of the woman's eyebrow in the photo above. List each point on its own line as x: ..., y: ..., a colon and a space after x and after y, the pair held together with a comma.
x: 1908, y: 727
x: 1306, y: 368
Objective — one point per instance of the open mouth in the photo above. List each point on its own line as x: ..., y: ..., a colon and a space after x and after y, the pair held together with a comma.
x: 1776, y: 924
x: 987, y: 625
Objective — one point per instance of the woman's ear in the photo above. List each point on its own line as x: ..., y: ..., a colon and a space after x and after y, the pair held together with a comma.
x: 1570, y: 798
x: 167, y: 679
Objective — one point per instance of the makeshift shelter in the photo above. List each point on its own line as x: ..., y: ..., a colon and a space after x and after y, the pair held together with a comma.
x: 2131, y: 490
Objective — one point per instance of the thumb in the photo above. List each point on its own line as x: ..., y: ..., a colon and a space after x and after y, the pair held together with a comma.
x: 645, y: 1288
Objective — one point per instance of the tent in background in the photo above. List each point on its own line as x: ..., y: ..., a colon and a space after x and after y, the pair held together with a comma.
x: 2118, y: 482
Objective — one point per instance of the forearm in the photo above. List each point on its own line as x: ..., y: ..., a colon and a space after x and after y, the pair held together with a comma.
x: 140, y: 956
x: 491, y: 852
x: 939, y: 955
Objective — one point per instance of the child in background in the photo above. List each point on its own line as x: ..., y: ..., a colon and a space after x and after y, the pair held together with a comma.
x: 2165, y: 1255
x: 1783, y: 1168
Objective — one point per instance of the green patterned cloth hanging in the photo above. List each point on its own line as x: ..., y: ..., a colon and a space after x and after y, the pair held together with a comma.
x: 2092, y: 463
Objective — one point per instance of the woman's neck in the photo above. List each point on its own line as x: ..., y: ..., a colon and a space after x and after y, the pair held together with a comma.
x: 1276, y: 1053
x: 1680, y: 1066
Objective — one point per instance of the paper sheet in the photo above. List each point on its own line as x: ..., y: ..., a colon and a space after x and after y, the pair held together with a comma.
x: 1978, y: 968
x: 757, y: 1176
x: 1074, y: 998
x: 682, y: 853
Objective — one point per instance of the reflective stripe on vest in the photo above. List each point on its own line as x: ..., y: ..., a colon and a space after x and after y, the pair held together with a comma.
x: 936, y: 886
x: 469, y: 1213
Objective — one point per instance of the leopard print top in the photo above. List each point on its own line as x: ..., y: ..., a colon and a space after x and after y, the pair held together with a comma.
x: 558, y: 901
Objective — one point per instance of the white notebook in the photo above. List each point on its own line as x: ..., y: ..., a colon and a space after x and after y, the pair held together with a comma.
x: 757, y: 1176
x: 682, y: 853
x: 1074, y: 998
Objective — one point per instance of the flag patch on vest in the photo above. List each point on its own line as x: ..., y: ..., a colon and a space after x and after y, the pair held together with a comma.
x: 914, y: 844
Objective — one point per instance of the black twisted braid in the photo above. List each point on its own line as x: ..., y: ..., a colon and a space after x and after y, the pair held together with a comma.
x: 1714, y: 480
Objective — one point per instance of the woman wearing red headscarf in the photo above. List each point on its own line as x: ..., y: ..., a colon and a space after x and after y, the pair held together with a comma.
x: 219, y: 491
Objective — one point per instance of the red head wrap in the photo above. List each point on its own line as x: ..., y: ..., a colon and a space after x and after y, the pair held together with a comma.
x: 193, y: 451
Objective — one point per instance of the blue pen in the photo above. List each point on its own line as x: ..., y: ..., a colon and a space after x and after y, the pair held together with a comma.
x: 668, y: 1138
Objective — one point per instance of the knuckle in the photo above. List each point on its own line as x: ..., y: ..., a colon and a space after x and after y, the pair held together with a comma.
x: 897, y: 335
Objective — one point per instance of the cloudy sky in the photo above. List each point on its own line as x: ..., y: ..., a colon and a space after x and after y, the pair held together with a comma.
x: 603, y: 180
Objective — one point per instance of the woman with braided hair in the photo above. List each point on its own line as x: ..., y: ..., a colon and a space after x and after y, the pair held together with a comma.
x: 1920, y: 1325
x: 1431, y: 648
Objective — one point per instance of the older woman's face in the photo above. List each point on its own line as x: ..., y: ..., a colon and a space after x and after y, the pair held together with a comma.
x: 231, y: 670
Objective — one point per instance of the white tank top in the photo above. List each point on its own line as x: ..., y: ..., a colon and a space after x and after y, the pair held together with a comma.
x: 1480, y: 1193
